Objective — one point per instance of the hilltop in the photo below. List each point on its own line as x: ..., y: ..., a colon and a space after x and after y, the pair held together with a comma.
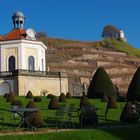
x: 80, y: 60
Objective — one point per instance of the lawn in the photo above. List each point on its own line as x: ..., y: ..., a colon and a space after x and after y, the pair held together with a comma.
x: 109, y: 129
x: 113, y: 114
x: 127, y: 133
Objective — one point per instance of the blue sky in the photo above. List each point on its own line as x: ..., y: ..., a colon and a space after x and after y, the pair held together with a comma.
x: 75, y: 19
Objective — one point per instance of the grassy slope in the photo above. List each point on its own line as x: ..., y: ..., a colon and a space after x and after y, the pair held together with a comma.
x: 122, y: 46
x: 107, y: 43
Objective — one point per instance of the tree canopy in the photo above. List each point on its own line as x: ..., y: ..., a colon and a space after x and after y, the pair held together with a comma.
x: 41, y: 35
x: 110, y: 31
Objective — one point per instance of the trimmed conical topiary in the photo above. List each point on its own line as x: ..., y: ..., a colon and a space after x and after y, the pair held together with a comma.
x: 62, y: 98
x: 34, y: 119
x: 11, y: 97
x: 29, y: 95
x: 17, y: 103
x: 104, y: 98
x: 68, y: 95
x: 6, y: 95
x: 133, y: 92
x: 101, y: 85
x: 84, y: 101
x: 129, y: 113
x: 49, y: 96
x: 54, y: 103
x: 112, y: 103
x: 38, y: 99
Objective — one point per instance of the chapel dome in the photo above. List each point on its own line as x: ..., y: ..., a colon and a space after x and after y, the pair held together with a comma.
x: 18, y: 14
x: 18, y: 19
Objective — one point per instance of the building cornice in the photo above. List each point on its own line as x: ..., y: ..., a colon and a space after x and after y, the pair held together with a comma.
x: 23, y: 41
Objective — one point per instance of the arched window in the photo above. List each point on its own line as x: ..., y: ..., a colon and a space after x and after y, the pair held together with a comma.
x: 31, y: 63
x: 11, y: 63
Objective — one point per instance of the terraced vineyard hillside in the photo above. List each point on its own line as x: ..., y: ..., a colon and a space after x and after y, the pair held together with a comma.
x: 81, y: 59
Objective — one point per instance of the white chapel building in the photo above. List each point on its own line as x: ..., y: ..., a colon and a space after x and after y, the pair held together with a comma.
x: 23, y: 63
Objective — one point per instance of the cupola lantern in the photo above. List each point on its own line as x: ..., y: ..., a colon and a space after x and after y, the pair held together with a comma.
x: 18, y: 19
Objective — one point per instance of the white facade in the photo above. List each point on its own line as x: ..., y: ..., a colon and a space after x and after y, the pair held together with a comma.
x: 19, y: 51
x: 22, y: 50
x: 122, y: 36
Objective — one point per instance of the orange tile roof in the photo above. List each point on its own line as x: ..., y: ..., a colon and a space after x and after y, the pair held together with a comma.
x: 1, y: 36
x: 14, y: 34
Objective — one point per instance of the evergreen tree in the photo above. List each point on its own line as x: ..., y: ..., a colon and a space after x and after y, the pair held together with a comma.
x: 133, y: 92
x: 101, y: 85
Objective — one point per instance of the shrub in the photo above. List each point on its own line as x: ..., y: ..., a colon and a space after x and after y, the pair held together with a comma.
x: 62, y: 98
x: 6, y: 95
x: 129, y: 113
x: 29, y: 95
x: 84, y: 101
x: 49, y: 96
x: 88, y: 116
x: 112, y: 103
x: 35, y: 118
x: 101, y: 85
x: 11, y: 97
x: 104, y: 98
x: 84, y: 97
x: 54, y: 103
x: 37, y: 99
x: 133, y: 92
x: 16, y: 103
x: 68, y: 95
